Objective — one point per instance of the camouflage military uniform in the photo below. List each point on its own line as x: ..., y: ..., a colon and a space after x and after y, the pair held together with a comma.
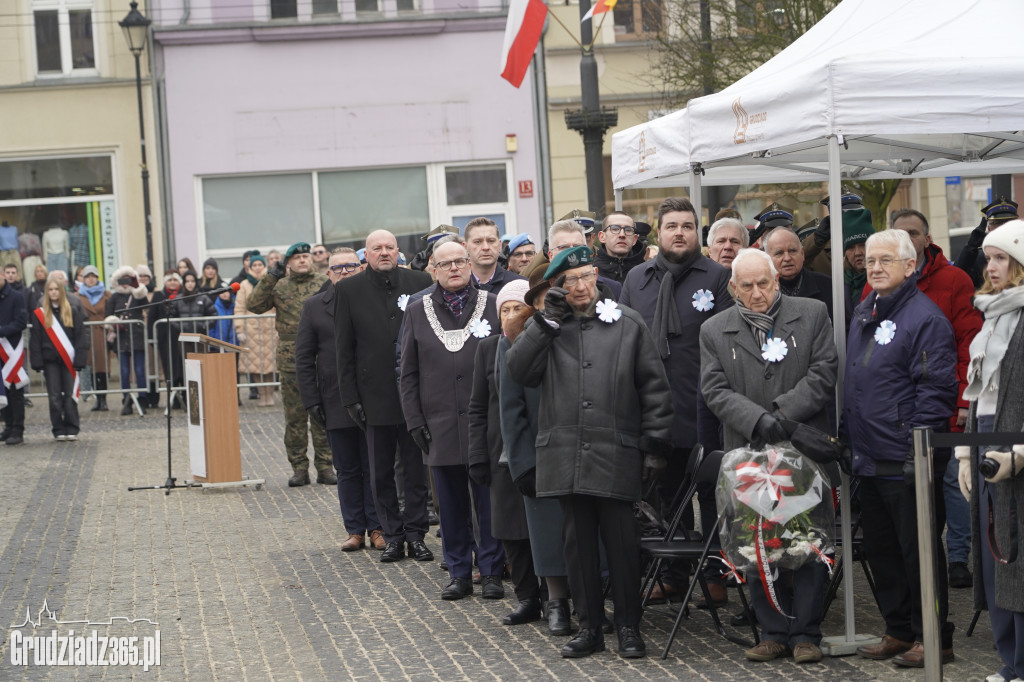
x: 287, y: 297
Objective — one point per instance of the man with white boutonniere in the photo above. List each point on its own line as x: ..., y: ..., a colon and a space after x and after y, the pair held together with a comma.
x: 768, y: 359
x: 440, y: 335
x: 604, y: 426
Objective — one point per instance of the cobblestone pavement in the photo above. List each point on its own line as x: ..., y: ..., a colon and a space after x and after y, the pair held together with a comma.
x: 249, y: 584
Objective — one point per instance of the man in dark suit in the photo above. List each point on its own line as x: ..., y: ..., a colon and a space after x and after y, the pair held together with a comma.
x: 316, y: 368
x: 484, y: 246
x: 439, y: 343
x: 787, y: 254
x: 368, y: 313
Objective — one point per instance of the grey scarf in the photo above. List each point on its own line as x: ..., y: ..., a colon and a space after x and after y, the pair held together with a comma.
x: 1002, y: 314
x: 760, y: 323
x: 666, y: 323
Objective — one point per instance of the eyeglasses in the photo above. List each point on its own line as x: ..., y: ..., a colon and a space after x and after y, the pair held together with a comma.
x: 884, y: 261
x: 559, y: 249
x: 319, y: 252
x: 571, y: 282
x: 344, y: 267
x: 628, y: 230
x: 457, y: 263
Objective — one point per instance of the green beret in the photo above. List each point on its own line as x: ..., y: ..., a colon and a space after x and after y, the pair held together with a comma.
x: 576, y: 257
x: 298, y: 247
x: 857, y: 227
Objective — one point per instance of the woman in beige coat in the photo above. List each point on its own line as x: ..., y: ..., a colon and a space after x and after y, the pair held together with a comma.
x: 258, y: 336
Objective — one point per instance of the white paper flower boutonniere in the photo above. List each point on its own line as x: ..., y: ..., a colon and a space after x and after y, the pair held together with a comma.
x: 774, y: 349
x: 608, y: 311
x: 481, y: 329
x: 403, y: 301
x: 703, y: 300
x: 885, y: 333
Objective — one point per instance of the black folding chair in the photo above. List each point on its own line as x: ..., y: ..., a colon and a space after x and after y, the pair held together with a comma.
x: 857, y: 536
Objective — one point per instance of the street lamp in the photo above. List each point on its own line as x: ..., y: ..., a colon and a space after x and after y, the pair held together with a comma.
x: 136, y: 31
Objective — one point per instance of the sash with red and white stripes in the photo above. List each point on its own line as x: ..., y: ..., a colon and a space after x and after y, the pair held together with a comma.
x: 62, y: 343
x: 14, y: 373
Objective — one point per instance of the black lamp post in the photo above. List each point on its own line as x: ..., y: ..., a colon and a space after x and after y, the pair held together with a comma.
x: 136, y: 31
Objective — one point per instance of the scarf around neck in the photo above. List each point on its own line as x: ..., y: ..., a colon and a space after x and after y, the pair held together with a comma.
x: 761, y: 324
x: 666, y: 323
x: 93, y: 293
x: 1002, y: 315
x: 456, y: 300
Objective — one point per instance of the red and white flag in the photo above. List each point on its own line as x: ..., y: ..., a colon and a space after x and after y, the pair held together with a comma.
x: 599, y: 7
x: 522, y: 33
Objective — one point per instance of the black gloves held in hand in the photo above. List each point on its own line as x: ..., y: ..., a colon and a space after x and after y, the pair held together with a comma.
x: 480, y: 473
x: 823, y: 232
x: 318, y: 416
x: 978, y: 234
x: 279, y: 270
x: 421, y: 436
x: 527, y: 483
x: 653, y: 466
x: 355, y: 410
x: 770, y: 430
x: 556, y: 308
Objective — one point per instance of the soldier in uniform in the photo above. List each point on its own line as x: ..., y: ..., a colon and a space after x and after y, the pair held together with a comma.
x: 971, y: 258
x: 285, y: 287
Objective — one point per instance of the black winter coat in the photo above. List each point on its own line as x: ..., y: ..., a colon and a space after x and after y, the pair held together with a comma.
x: 42, y: 351
x: 188, y: 306
x: 316, y: 359
x: 615, y: 268
x: 604, y: 403
x: 13, y: 316
x: 125, y: 305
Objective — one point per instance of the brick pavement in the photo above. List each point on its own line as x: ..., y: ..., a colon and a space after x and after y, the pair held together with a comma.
x: 251, y: 585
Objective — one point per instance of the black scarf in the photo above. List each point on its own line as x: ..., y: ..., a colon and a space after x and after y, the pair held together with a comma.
x: 666, y: 324
x: 760, y: 323
x: 791, y: 287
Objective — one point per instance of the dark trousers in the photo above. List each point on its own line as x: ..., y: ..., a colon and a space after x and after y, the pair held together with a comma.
x: 676, y: 572
x: 520, y: 560
x: 63, y: 408
x: 801, y: 594
x: 585, y: 519
x: 14, y: 413
x: 453, y: 497
x: 352, y: 462
x: 133, y: 359
x: 889, y: 521
x: 382, y: 442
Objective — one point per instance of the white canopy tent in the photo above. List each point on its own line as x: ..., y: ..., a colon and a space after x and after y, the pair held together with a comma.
x: 877, y: 89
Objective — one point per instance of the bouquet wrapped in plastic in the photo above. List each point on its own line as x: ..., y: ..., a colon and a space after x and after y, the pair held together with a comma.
x: 778, y: 509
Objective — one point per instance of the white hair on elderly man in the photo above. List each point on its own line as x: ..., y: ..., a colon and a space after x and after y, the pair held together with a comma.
x: 897, y: 239
x: 729, y: 222
x: 747, y: 254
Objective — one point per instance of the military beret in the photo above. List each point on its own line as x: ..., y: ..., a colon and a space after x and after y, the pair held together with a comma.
x: 568, y: 259
x: 518, y: 241
x: 296, y: 248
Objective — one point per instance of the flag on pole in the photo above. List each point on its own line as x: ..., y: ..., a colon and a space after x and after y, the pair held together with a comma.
x: 522, y: 33
x: 599, y: 7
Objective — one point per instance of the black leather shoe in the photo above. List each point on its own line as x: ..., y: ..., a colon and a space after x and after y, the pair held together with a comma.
x: 631, y: 644
x: 432, y: 517
x: 457, y: 589
x: 559, y: 622
x: 15, y: 440
x: 394, y: 551
x: 5, y: 434
x: 299, y: 478
x: 126, y: 408
x: 587, y: 641
x: 327, y: 477
x: 419, y: 551
x: 491, y: 587
x: 527, y: 611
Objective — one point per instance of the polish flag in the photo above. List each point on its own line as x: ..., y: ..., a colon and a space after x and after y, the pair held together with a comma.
x: 600, y: 7
x: 522, y: 33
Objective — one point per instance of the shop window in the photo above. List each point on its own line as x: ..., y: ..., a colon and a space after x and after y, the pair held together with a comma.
x: 54, y: 178
x: 250, y: 211
x: 63, y: 37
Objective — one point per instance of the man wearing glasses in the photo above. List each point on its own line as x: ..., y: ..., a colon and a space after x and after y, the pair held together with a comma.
x: 316, y: 367
x: 521, y: 251
x: 620, y: 250
x: 602, y: 430
x: 368, y: 313
x: 320, y: 258
x: 439, y: 342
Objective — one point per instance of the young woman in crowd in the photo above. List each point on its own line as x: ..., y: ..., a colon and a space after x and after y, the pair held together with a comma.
x: 211, y: 276
x: 257, y: 334
x: 185, y: 265
x: 94, y: 296
x: 991, y: 477
x: 192, y: 303
x: 60, y: 347
x: 125, y: 306
x: 37, y: 290
x: 166, y: 336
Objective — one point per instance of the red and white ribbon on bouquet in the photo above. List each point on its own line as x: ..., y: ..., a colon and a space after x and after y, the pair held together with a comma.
x: 753, y: 480
x: 60, y: 341
x: 764, y: 568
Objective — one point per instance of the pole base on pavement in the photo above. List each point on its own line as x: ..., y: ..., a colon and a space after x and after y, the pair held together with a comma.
x: 839, y: 646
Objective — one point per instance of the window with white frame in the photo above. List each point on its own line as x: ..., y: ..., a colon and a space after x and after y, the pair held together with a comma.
x: 64, y: 37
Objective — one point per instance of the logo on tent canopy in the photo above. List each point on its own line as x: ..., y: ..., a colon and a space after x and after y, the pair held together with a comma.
x: 749, y: 127
x: 643, y: 151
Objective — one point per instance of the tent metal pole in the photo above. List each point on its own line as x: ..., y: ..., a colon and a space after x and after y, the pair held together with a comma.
x: 618, y: 200
x: 695, y: 196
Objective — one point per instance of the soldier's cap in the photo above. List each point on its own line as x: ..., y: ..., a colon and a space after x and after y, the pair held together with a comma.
x: 642, y: 229
x: 848, y: 200
x: 361, y: 255
x: 438, y: 232
x: 586, y: 219
x: 773, y: 216
x: 401, y: 258
x: 576, y: 257
x: 1001, y: 209
x: 518, y: 240
x: 808, y: 227
x: 507, y: 237
x: 296, y: 248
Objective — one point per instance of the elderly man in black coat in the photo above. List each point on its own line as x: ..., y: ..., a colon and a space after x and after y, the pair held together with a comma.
x: 439, y: 341
x: 787, y: 253
x: 368, y: 313
x: 605, y: 422
x: 316, y: 368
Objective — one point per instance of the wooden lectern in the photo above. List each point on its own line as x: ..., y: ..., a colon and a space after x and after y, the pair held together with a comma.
x: 212, y: 390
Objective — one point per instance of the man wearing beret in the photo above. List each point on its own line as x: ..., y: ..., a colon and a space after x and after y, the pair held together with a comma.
x: 285, y: 287
x: 603, y: 427
x: 521, y: 251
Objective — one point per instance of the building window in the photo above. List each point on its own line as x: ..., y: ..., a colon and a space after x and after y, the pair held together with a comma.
x: 250, y: 211
x: 321, y: 7
x: 637, y: 18
x: 64, y: 41
x: 284, y: 9
x: 356, y: 202
x: 366, y: 6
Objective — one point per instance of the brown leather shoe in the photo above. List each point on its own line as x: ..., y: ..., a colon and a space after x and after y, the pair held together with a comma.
x: 915, y: 657
x: 884, y: 650
x: 719, y: 596
x: 766, y: 651
x: 659, y: 595
x: 354, y: 542
x: 377, y: 539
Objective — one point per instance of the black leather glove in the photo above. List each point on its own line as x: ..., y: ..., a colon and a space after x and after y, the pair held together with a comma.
x: 421, y: 436
x: 908, y: 469
x: 556, y: 308
x: 279, y: 270
x: 318, y: 416
x: 704, y: 235
x: 653, y: 466
x: 846, y: 461
x: 527, y: 483
x: 480, y: 473
x: 770, y: 430
x: 978, y: 234
x: 355, y: 410
x: 823, y: 232
x: 167, y: 307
